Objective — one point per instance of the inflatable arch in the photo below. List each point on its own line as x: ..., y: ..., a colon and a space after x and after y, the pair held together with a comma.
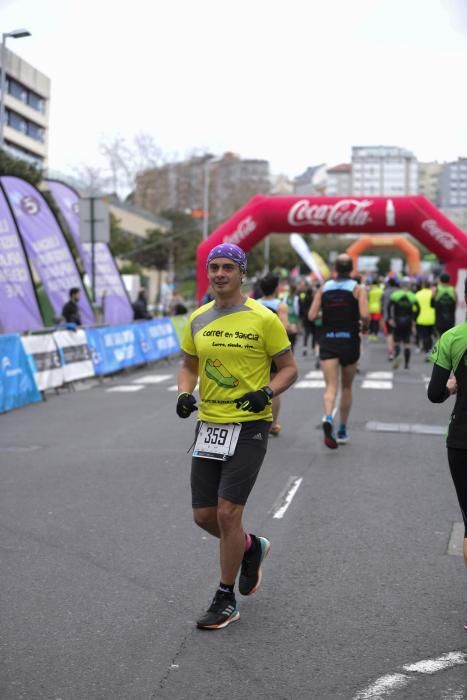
x: 416, y: 215
x: 406, y: 247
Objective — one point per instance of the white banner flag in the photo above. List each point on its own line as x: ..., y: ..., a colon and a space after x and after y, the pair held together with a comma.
x: 301, y: 248
x: 75, y: 354
x: 45, y: 359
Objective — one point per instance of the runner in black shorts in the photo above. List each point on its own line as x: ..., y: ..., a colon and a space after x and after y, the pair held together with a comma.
x: 403, y: 310
x: 450, y: 356
x: 344, y: 308
x: 229, y: 345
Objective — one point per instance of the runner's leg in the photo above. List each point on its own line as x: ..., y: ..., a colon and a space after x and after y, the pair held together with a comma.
x: 331, y: 373
x: 232, y: 539
x: 347, y: 377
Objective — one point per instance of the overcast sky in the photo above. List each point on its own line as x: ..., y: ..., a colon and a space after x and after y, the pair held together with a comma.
x: 296, y: 82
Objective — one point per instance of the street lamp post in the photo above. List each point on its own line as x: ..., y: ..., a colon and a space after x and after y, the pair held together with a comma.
x: 15, y: 34
x: 207, y: 163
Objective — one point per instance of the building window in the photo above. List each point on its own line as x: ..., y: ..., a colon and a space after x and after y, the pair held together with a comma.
x: 35, y: 132
x: 17, y: 122
x: 36, y: 102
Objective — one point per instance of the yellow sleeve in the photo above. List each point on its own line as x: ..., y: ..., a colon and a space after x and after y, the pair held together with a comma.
x: 187, y: 344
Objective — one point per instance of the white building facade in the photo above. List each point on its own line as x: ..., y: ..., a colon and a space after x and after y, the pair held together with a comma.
x: 26, y: 102
x: 383, y: 170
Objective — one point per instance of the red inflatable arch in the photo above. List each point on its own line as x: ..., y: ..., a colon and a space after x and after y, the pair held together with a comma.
x: 410, y: 251
x: 368, y: 215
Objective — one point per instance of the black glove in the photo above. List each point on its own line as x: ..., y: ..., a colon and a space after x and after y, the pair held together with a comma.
x: 186, y: 404
x: 254, y: 401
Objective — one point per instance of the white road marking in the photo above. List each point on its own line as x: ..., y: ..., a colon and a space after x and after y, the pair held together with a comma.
x: 291, y: 490
x: 152, y: 378
x: 385, y: 685
x: 417, y: 428
x: 314, y: 374
x: 376, y: 384
x: 125, y: 388
x: 310, y: 384
x: 454, y: 658
x: 379, y: 375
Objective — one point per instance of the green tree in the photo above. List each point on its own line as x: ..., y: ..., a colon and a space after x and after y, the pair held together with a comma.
x: 120, y: 243
x: 20, y: 168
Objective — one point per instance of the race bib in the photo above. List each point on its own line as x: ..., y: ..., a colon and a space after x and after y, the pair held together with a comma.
x: 216, y: 440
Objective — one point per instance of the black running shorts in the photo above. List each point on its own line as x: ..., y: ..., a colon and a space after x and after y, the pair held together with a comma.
x: 348, y: 353
x: 402, y: 334
x: 233, y: 479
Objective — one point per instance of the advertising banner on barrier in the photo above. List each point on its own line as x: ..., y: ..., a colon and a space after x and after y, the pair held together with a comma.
x: 17, y: 385
x: 75, y: 354
x: 158, y: 338
x: 118, y: 347
x: 110, y: 290
x: 45, y: 361
x: 115, y: 348
x: 19, y: 310
x: 46, y: 245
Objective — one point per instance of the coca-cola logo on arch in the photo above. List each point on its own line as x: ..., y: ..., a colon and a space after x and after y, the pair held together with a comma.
x: 446, y: 239
x: 346, y: 212
x: 244, y: 228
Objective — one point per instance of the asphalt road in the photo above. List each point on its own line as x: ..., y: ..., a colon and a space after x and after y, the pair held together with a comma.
x: 103, y: 573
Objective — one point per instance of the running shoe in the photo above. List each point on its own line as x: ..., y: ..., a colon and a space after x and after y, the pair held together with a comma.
x: 275, y: 429
x: 342, y: 436
x: 397, y: 362
x: 329, y: 436
x: 250, y: 573
x: 222, y: 611
x: 465, y: 625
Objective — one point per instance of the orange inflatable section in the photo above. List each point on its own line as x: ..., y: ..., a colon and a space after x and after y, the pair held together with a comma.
x: 406, y: 247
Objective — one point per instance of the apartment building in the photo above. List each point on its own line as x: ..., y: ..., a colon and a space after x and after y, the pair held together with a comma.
x: 26, y: 101
x: 429, y: 175
x: 339, y: 180
x: 453, y: 184
x: 383, y: 170
x: 231, y: 181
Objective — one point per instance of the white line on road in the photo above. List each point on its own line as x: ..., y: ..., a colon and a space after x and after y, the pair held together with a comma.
x: 385, y: 685
x: 456, y: 540
x: 454, y: 658
x: 376, y: 384
x: 379, y: 375
x: 152, y: 378
x: 125, y: 387
x: 314, y: 374
x: 291, y: 490
x: 310, y: 384
x: 417, y: 428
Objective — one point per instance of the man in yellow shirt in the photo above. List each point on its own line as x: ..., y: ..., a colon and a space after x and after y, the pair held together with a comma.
x: 375, y: 294
x: 229, y: 345
x: 426, y: 318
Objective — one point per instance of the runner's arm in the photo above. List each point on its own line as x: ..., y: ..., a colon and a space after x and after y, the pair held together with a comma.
x: 438, y: 391
x: 188, y: 374
x: 283, y: 313
x: 287, y: 372
x: 315, y: 306
x: 363, y: 307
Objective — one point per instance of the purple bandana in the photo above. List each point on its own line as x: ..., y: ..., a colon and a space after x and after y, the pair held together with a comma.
x: 229, y: 250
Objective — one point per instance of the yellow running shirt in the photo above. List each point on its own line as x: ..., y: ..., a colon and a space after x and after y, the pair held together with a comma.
x: 234, y: 347
x: 427, y: 314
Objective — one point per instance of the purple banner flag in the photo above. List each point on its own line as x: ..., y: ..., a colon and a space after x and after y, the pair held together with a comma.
x: 111, y: 294
x: 19, y: 310
x: 46, y: 246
